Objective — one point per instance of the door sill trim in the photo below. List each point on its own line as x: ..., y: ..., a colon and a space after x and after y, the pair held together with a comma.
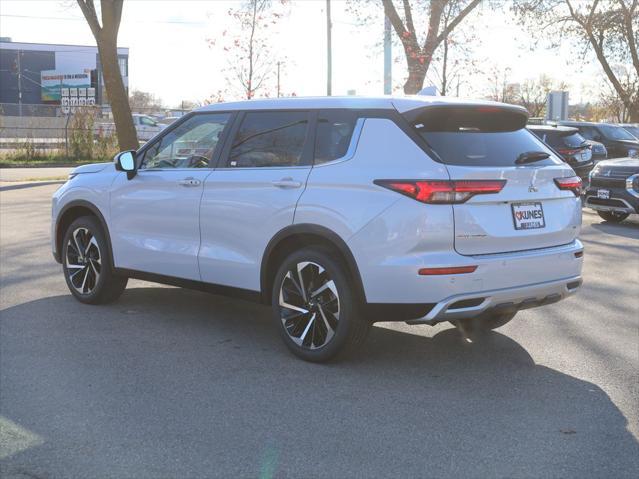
x: 218, y: 289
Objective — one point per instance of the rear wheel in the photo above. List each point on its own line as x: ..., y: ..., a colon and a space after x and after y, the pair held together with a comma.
x: 315, y: 307
x: 613, y: 216
x: 86, y: 262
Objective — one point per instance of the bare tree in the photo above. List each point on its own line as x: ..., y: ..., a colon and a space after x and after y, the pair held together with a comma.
x: 142, y: 100
x: 501, y: 88
x: 247, y: 46
x: 455, y: 60
x: 419, y: 54
x: 606, y: 28
x: 611, y: 103
x: 106, y: 37
x: 534, y: 92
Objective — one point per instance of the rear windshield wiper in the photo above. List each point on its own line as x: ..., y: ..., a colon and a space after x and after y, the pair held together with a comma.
x: 531, y: 157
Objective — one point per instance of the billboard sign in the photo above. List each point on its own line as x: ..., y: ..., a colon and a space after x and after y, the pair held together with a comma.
x: 53, y: 81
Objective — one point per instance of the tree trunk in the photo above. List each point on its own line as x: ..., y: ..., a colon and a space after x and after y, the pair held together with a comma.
x: 415, y: 81
x: 106, y: 36
x: 127, y: 136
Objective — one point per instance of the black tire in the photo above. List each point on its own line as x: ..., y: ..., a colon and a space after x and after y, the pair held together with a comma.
x: 613, y: 216
x: 336, y: 308
x: 487, y: 322
x: 89, y: 274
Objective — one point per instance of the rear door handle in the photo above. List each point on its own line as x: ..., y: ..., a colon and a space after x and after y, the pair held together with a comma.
x: 287, y: 183
x: 190, y: 181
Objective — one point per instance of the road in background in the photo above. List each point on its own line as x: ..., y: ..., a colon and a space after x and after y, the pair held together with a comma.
x: 174, y: 383
x: 32, y: 174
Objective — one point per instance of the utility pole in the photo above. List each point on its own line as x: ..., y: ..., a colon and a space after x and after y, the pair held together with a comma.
x: 278, y: 79
x: 19, y: 67
x: 388, y: 61
x: 329, y: 53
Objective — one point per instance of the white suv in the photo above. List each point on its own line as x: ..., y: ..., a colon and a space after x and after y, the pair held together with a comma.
x: 338, y: 212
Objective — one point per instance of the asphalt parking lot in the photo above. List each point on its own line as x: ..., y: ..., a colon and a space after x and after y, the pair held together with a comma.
x: 173, y: 383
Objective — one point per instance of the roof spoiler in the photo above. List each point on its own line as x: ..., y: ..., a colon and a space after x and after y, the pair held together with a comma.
x: 471, y: 117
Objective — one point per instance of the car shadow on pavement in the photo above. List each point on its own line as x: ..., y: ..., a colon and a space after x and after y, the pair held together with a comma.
x: 627, y: 230
x: 175, y: 383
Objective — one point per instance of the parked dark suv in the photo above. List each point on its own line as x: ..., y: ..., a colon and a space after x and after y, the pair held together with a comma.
x: 614, y: 189
x: 573, y: 148
x: 618, y: 142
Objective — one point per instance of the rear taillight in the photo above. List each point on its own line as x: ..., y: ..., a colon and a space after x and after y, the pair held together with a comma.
x: 442, y: 191
x: 572, y: 183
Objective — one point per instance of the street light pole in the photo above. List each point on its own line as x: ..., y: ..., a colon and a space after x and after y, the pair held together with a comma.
x: 329, y: 53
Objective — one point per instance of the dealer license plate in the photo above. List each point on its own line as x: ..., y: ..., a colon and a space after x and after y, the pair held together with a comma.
x: 528, y: 216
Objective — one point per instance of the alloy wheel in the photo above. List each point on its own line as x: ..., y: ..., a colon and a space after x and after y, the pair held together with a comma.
x: 309, y: 305
x: 83, y: 260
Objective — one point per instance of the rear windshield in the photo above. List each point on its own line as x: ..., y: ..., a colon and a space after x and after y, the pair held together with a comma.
x: 481, y: 148
x: 574, y: 141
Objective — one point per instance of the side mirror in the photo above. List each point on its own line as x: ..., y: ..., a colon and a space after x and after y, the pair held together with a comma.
x: 125, y: 161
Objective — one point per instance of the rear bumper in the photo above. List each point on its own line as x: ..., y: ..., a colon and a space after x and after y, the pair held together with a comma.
x: 501, y: 300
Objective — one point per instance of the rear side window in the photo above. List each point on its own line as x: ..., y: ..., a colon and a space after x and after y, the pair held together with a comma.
x: 588, y: 132
x: 334, y: 134
x: 560, y: 139
x: 269, y: 139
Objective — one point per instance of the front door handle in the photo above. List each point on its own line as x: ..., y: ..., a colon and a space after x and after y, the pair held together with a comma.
x: 190, y: 181
x: 287, y: 183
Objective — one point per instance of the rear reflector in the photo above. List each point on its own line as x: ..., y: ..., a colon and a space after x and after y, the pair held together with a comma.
x: 572, y: 183
x: 447, y: 270
x: 579, y: 254
x: 442, y: 191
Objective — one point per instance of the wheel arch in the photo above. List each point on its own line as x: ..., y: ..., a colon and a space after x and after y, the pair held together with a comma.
x: 298, y: 236
x: 72, y: 211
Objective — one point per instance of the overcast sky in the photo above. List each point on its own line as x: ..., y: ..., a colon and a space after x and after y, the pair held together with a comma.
x: 170, y: 56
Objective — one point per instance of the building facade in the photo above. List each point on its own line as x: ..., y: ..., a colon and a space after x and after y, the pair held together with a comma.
x: 39, y: 74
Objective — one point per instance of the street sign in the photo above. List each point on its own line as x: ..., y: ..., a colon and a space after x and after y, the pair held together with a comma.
x: 72, y: 98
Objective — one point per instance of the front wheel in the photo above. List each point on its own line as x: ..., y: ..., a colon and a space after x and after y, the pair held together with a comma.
x: 86, y: 262
x: 613, y: 216
x: 315, y: 307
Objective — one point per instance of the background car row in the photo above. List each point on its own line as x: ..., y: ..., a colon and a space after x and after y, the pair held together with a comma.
x: 606, y: 158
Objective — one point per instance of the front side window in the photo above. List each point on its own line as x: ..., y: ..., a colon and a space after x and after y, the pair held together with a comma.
x: 334, y: 133
x: 615, y: 132
x: 269, y: 139
x: 190, y: 145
